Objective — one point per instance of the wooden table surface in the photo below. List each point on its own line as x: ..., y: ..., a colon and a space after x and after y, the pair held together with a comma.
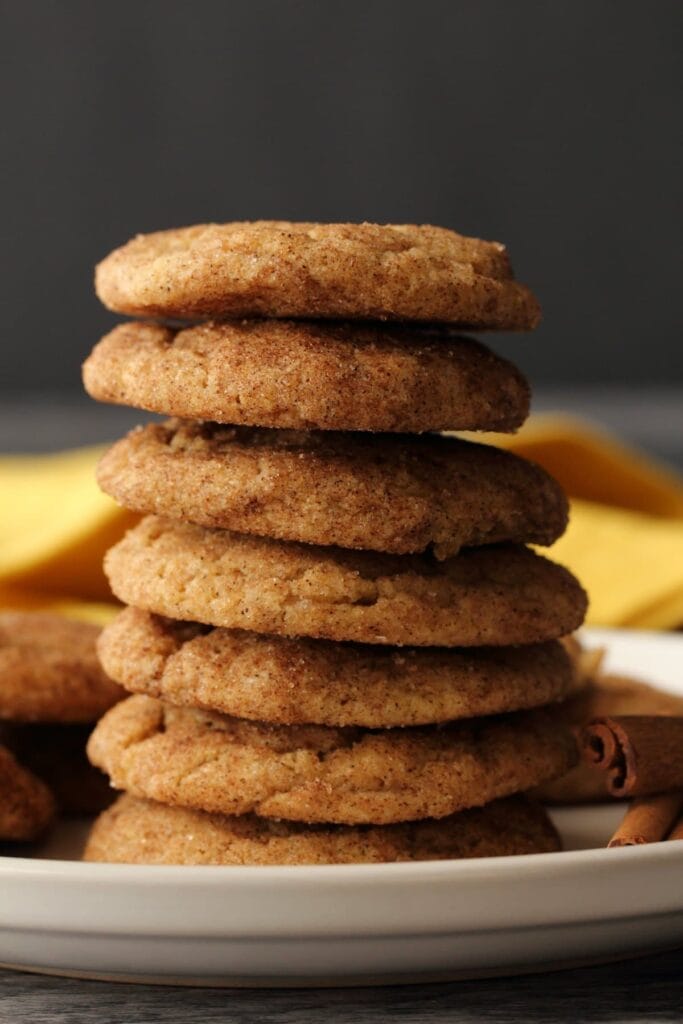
x: 646, y: 989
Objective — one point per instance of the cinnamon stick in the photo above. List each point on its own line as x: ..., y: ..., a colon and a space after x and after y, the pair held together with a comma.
x: 642, y: 754
x: 648, y: 820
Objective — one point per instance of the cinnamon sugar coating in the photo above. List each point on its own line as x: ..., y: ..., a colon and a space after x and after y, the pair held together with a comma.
x: 496, y: 595
x: 383, y: 492
x: 328, y: 376
x: 298, y: 681
x: 49, y: 671
x: 284, y: 269
x: 136, y: 831
x: 311, y: 773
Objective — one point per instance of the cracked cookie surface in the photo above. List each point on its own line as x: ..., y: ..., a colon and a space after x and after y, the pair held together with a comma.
x: 497, y: 595
x: 285, y: 269
x: 297, y: 681
x: 49, y: 671
x: 224, y: 765
x: 383, y: 492
x: 136, y: 831
x: 309, y: 375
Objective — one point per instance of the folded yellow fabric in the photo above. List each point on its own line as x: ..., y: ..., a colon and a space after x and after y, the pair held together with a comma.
x: 625, y: 539
x: 55, y: 525
x: 625, y: 536
x: 592, y: 465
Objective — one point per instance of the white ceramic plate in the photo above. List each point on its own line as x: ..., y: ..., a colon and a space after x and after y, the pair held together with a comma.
x: 356, y: 923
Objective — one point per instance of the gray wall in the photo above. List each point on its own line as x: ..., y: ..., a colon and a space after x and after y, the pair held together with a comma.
x: 551, y: 125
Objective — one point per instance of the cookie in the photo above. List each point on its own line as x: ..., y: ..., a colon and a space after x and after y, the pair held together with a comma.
x: 137, y: 831
x: 610, y: 695
x: 378, y: 492
x: 303, y: 376
x: 496, y: 595
x: 49, y: 671
x: 280, y: 269
x: 56, y: 754
x: 26, y: 804
x: 293, y: 682
x: 192, y: 758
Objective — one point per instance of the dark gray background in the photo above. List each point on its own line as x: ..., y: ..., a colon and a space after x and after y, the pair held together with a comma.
x: 553, y: 126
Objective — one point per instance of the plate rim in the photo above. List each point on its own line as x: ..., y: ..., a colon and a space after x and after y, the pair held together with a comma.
x: 611, y: 870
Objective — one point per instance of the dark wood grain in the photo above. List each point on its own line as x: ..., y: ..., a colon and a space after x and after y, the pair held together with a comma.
x: 648, y: 989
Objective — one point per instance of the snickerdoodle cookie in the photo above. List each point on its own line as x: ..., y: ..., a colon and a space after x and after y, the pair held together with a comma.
x: 49, y: 670
x: 26, y: 804
x: 136, y: 831
x: 56, y: 754
x: 379, y: 492
x: 283, y: 269
x: 317, y: 773
x: 490, y: 595
x: 309, y: 375
x: 609, y: 695
x: 297, y: 681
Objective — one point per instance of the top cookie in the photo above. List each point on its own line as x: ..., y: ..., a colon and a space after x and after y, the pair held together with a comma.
x: 281, y: 269
x: 49, y: 670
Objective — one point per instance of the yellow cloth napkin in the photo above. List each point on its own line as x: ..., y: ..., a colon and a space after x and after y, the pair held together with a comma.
x: 624, y: 542
x: 55, y: 525
x: 625, y: 535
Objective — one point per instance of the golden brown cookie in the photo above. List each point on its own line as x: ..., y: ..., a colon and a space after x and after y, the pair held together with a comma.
x: 56, y: 754
x: 303, y: 376
x: 275, y: 679
x: 313, y: 773
x: 283, y: 269
x: 49, y: 671
x: 495, y: 595
x: 377, y: 492
x: 609, y: 695
x: 26, y: 804
x: 137, y: 831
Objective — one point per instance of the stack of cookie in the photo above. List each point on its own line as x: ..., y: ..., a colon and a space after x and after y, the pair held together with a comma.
x: 52, y: 690
x: 339, y: 645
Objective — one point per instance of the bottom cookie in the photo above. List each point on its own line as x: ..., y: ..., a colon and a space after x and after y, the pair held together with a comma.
x: 138, y: 831
x: 26, y: 804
